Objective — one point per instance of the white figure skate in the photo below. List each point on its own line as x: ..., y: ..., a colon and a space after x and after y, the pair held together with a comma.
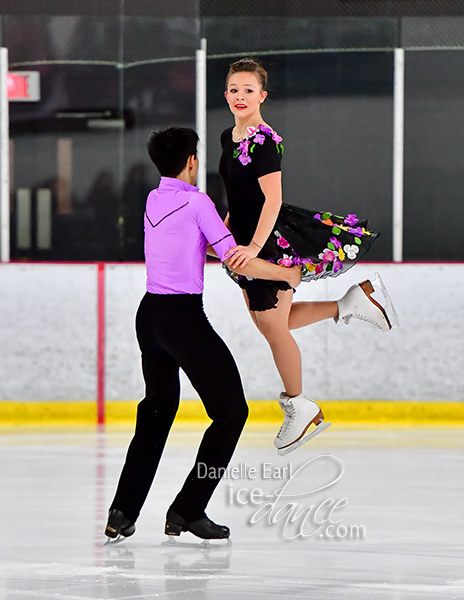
x: 358, y: 303
x: 300, y: 414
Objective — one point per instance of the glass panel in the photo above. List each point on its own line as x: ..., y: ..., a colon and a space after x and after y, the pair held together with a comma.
x: 434, y: 177
x: 267, y: 34
x: 422, y: 32
x: 157, y: 96
x: 106, y: 81
x: 334, y: 112
x: 159, y: 92
x: 85, y: 140
x: 69, y: 143
x: 32, y: 38
x: 154, y: 39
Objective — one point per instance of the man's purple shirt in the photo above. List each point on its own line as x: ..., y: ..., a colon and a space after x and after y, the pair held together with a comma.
x: 180, y: 221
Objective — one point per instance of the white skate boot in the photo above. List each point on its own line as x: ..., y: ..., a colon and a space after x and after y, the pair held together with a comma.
x: 300, y: 413
x: 358, y: 303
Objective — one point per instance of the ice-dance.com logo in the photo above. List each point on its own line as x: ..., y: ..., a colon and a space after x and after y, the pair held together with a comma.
x: 298, y: 506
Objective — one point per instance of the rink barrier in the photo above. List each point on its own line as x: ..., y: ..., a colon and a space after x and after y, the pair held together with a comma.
x: 60, y: 348
x: 261, y: 411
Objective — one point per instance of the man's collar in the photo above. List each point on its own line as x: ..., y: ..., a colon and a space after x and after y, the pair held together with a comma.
x: 167, y: 183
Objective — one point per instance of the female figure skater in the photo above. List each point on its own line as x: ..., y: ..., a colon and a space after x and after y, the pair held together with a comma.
x: 322, y: 243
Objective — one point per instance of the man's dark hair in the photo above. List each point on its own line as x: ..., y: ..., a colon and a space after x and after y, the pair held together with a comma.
x: 169, y: 149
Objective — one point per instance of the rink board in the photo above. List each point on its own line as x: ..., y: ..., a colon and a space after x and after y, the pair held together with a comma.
x: 49, y: 327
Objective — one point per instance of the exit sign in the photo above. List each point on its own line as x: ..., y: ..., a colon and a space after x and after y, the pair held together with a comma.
x: 23, y: 86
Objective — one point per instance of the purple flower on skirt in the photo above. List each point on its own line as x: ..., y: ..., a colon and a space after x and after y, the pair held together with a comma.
x: 317, y: 216
x: 259, y: 138
x: 336, y: 242
x: 338, y: 265
x: 351, y: 220
x: 244, y: 159
x: 282, y: 242
x: 356, y: 231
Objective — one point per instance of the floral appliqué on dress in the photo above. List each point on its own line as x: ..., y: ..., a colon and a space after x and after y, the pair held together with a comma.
x: 255, y: 136
x: 332, y: 257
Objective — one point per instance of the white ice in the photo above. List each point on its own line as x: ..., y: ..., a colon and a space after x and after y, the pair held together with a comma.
x: 400, y: 535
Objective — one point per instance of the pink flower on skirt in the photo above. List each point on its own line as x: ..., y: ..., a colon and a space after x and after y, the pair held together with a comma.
x: 282, y: 242
x: 286, y: 261
x: 328, y: 255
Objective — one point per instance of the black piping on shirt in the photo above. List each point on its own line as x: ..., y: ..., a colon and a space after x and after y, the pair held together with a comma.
x: 165, y: 216
x: 223, y: 238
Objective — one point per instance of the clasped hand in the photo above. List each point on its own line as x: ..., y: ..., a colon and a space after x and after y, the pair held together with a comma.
x: 240, y: 255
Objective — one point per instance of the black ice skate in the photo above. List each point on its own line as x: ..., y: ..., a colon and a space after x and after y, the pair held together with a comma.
x: 118, y: 527
x: 203, y: 528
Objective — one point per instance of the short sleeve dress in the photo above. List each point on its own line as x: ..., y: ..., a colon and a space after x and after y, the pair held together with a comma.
x: 324, y: 244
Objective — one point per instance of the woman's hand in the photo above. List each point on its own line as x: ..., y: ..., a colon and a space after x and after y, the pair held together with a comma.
x: 241, y: 255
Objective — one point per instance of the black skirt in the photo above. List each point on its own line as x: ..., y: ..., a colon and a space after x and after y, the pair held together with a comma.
x: 324, y: 244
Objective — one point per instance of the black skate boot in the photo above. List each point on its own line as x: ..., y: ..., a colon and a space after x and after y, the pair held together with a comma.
x: 118, y: 525
x: 203, y: 528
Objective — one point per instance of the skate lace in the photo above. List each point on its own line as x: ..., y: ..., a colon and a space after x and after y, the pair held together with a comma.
x: 361, y: 317
x: 289, y: 417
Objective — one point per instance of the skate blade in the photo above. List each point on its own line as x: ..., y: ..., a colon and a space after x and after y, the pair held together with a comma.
x: 319, y: 429
x: 113, y: 541
x: 389, y: 308
x: 205, y: 544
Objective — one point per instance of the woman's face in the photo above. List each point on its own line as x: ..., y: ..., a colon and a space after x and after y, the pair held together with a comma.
x: 244, y: 94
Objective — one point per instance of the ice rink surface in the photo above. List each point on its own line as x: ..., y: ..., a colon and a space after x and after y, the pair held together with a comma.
x: 354, y: 514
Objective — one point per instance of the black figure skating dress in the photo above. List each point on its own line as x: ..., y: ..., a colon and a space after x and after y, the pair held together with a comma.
x: 324, y: 244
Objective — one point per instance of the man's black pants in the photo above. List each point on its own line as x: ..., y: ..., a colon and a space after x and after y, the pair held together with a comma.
x: 173, y: 332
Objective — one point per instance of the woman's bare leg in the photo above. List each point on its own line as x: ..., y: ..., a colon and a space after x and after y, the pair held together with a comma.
x: 252, y: 312
x: 273, y: 324
x: 306, y: 313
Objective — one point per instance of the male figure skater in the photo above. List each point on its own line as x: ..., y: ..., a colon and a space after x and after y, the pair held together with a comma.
x: 173, y: 332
